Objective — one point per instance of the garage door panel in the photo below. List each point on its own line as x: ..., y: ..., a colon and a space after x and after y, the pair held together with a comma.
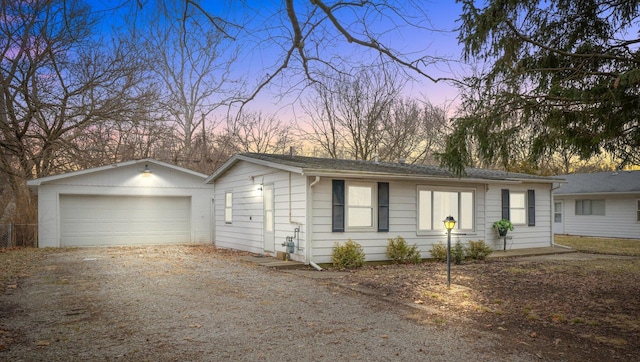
x: 119, y: 220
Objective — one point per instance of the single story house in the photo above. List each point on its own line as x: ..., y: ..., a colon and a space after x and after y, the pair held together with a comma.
x: 598, y: 204
x: 135, y: 202
x: 264, y: 202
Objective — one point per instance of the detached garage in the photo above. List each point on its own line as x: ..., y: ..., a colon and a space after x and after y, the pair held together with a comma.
x: 130, y: 203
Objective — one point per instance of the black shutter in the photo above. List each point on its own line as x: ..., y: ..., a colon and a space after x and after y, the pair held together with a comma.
x: 531, y: 205
x: 338, y: 205
x: 383, y: 206
x: 505, y: 204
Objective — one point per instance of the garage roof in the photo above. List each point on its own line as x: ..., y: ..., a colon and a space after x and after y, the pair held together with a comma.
x: 142, y: 162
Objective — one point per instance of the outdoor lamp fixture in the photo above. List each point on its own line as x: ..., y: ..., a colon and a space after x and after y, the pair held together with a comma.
x: 146, y: 170
x: 449, y: 223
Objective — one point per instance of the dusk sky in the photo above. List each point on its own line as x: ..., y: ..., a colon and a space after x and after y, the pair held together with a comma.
x: 258, y: 56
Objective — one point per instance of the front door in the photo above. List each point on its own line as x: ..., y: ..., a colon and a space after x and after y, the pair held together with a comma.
x: 268, y: 222
x: 558, y: 217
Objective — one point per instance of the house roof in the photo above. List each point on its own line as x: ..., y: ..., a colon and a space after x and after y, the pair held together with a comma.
x: 314, y: 166
x: 145, y: 161
x: 620, y: 182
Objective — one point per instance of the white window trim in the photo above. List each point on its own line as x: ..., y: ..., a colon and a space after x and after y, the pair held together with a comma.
x: 374, y: 206
x: 228, y: 217
x: 524, y: 207
x: 591, y: 213
x: 440, y: 229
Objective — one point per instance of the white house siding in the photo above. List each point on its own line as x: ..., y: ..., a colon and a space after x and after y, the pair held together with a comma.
x: 523, y: 236
x: 619, y: 220
x: 125, y: 181
x: 402, y: 221
x: 246, y: 230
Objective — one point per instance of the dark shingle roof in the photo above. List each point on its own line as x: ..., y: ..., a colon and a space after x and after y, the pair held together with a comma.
x: 310, y: 165
x: 600, y: 182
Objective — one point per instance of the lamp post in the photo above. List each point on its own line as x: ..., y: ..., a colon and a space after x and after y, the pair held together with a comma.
x: 449, y: 223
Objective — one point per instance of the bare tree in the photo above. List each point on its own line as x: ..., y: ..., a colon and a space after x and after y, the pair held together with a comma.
x: 366, y: 115
x: 414, y: 132
x: 191, y: 62
x: 304, y: 39
x: 255, y: 132
x: 348, y: 115
x: 56, y: 81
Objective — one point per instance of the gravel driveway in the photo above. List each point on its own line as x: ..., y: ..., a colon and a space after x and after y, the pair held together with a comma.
x: 186, y: 303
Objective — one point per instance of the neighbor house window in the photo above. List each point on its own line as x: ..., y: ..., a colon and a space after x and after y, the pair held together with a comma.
x: 589, y: 207
x: 638, y: 215
x: 435, y: 205
x: 519, y: 206
x: 360, y: 205
x: 228, y: 210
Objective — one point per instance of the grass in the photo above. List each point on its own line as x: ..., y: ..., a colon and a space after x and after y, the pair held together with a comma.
x: 600, y: 245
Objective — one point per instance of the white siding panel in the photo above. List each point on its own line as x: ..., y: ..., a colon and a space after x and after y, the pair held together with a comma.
x: 402, y: 221
x: 522, y: 236
x: 619, y: 220
x: 246, y: 230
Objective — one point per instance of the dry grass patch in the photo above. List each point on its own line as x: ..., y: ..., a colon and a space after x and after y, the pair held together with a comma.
x: 595, y: 245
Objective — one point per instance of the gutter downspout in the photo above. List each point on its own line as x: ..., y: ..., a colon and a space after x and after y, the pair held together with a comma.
x: 553, y: 241
x: 309, y: 234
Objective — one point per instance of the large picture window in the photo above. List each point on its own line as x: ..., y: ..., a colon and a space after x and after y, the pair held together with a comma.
x: 435, y: 205
x: 589, y: 207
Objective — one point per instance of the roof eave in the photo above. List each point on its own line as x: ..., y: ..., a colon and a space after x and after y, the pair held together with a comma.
x: 365, y: 174
x: 239, y: 157
x: 599, y: 193
x: 44, y: 180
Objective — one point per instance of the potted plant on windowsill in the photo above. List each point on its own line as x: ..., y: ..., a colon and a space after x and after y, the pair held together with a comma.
x: 502, y: 226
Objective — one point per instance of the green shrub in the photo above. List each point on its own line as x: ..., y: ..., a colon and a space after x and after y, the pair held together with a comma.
x: 439, y: 252
x: 400, y: 252
x: 348, y: 256
x: 478, y: 250
x: 457, y: 253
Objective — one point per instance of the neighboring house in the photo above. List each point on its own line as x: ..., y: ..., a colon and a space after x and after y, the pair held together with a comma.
x: 262, y: 200
x: 128, y: 203
x: 598, y: 204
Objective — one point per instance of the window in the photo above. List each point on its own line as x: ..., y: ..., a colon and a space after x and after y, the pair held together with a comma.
x: 356, y: 205
x: 228, y: 210
x: 435, y: 205
x: 519, y: 206
x: 638, y: 215
x: 359, y: 206
x: 589, y: 207
x: 557, y: 212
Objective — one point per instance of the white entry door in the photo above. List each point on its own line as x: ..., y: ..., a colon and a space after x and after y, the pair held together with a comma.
x: 268, y: 222
x: 558, y: 217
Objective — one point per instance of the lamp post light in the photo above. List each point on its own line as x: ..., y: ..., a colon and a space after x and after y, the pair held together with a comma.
x: 449, y: 223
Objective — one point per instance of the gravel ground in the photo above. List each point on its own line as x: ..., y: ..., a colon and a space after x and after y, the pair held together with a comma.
x: 193, y: 303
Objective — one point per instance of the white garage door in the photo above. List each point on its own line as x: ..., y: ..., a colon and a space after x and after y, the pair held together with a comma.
x: 124, y: 220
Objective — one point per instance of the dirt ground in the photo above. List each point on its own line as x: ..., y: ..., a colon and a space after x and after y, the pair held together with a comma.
x: 195, y: 303
x: 198, y: 303
x: 584, y: 309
